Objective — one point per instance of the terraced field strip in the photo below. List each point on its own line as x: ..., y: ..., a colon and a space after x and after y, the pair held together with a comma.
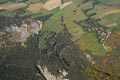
x: 109, y: 12
x: 51, y: 4
x: 13, y: 6
x: 35, y: 8
x: 111, y: 25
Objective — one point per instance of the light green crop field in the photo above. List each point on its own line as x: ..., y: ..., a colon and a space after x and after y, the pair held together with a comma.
x: 36, y: 1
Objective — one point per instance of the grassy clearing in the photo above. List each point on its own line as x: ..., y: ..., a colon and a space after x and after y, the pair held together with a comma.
x: 7, y: 13
x: 92, y: 44
x: 42, y: 41
x: 36, y: 1
x: 53, y: 24
x: 69, y: 13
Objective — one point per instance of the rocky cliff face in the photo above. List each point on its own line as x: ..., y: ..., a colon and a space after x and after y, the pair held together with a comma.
x: 19, y: 30
x: 50, y: 76
x: 20, y: 34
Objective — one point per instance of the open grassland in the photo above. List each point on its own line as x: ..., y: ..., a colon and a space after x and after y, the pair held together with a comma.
x: 53, y: 24
x: 71, y: 15
x: 36, y: 1
x: 90, y: 42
